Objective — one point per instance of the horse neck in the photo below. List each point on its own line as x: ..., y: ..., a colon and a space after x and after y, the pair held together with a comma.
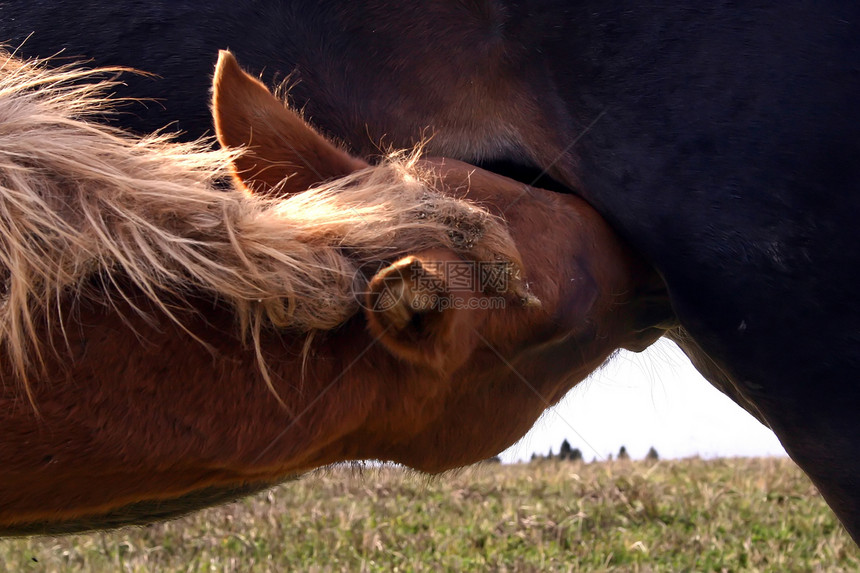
x: 133, y: 368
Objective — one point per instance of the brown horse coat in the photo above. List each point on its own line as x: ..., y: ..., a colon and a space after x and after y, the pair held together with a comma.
x: 153, y: 392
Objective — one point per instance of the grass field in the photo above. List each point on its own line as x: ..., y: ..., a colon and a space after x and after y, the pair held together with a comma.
x: 688, y: 515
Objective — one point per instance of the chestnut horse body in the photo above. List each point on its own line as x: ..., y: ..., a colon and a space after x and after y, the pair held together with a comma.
x: 720, y: 141
x: 145, y: 401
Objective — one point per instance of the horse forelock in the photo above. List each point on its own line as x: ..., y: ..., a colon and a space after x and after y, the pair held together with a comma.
x: 79, y: 200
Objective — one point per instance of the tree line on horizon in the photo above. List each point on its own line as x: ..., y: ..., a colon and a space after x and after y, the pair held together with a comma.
x: 568, y: 453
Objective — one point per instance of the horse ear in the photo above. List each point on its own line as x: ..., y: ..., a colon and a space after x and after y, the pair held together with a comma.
x: 410, y: 309
x: 279, y: 144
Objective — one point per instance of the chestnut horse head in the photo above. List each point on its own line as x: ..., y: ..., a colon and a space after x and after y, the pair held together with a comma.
x: 183, y: 344
x: 579, y: 295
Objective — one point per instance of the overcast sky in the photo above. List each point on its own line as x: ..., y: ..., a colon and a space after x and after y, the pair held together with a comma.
x: 655, y: 398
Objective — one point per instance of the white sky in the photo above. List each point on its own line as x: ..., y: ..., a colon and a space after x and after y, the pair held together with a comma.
x: 655, y: 398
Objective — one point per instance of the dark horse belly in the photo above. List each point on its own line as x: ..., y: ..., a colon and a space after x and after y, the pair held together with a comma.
x: 722, y: 142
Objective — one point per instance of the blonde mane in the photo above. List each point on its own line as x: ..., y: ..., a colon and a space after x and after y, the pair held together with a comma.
x: 81, y: 201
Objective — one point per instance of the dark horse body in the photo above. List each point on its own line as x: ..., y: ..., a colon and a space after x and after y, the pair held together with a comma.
x: 722, y: 142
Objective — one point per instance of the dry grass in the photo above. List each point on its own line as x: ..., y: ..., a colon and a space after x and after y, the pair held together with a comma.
x: 689, y: 515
